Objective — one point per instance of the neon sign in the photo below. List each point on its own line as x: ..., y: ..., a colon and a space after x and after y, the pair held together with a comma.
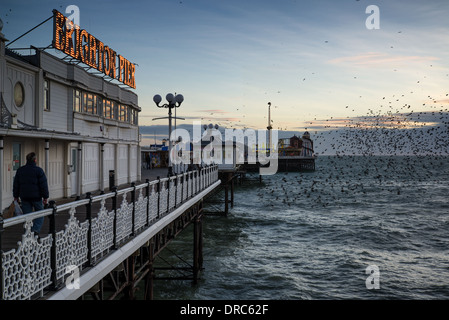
x: 82, y: 46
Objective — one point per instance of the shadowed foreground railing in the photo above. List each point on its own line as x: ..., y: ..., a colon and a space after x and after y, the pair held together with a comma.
x: 109, y: 221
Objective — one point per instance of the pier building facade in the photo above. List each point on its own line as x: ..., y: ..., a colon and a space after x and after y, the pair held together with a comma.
x: 81, y: 125
x: 296, y: 154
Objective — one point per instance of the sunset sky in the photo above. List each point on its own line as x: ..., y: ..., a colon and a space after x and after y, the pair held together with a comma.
x: 315, y: 61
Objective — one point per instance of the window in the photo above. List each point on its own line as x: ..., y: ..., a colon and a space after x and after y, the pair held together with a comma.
x: 90, y: 103
x: 19, y: 94
x: 123, y: 113
x: 133, y: 116
x: 108, y: 109
x: 46, y: 95
x: 77, y: 101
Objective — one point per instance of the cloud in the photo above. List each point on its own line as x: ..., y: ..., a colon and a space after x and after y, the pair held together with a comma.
x: 159, y: 116
x: 442, y: 101
x: 411, y: 120
x: 376, y: 59
x: 213, y: 111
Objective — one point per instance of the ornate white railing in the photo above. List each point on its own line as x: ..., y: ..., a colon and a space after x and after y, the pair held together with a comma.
x: 38, y: 265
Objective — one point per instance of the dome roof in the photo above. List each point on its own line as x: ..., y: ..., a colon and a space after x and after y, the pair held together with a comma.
x: 306, y: 135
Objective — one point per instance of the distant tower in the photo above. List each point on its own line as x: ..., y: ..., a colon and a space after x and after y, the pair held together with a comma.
x: 307, y: 145
x: 269, y: 127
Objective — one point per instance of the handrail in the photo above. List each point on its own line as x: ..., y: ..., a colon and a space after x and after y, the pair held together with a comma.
x: 26, y: 217
x: 82, y: 244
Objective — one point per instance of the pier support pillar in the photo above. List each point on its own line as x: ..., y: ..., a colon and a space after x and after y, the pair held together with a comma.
x: 149, y: 278
x: 226, y: 201
x: 198, y: 243
x: 130, y: 273
x: 232, y: 190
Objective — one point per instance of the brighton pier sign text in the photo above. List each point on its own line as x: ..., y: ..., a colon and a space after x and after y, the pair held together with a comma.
x: 81, y: 45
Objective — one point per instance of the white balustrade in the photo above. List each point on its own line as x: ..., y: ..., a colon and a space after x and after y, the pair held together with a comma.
x: 34, y: 267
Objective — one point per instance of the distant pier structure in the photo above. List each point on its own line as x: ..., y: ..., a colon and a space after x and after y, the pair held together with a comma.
x: 296, y: 154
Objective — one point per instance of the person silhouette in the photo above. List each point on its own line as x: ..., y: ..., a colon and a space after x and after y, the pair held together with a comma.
x: 30, y: 185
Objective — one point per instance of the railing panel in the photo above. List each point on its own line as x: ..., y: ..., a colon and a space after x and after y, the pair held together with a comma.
x: 190, y: 185
x: 163, y: 197
x: 71, y: 245
x: 195, y: 183
x: 102, y: 231
x: 124, y: 218
x: 32, y: 267
x: 154, y: 195
x: 184, y: 187
x: 27, y: 270
x: 172, y: 193
x: 140, y: 213
x: 179, y: 184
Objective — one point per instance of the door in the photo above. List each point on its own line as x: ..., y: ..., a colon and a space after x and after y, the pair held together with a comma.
x: 16, y: 156
x: 74, y: 170
x: 16, y: 161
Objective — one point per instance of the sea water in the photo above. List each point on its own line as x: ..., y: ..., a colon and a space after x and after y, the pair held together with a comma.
x: 318, y: 235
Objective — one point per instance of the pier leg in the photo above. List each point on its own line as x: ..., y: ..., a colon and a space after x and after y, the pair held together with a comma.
x: 130, y: 269
x: 149, y: 279
x: 197, y: 245
x: 232, y: 191
x: 226, y: 189
x: 200, y: 214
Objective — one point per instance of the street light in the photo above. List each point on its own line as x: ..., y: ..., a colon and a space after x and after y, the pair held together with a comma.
x: 174, y: 101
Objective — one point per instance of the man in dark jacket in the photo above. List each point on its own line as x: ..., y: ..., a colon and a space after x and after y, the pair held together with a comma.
x: 30, y: 185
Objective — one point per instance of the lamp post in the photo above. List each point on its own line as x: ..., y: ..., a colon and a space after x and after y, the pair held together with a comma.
x: 174, y: 101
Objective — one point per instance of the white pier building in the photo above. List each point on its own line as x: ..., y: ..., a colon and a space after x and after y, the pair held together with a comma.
x: 81, y: 125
